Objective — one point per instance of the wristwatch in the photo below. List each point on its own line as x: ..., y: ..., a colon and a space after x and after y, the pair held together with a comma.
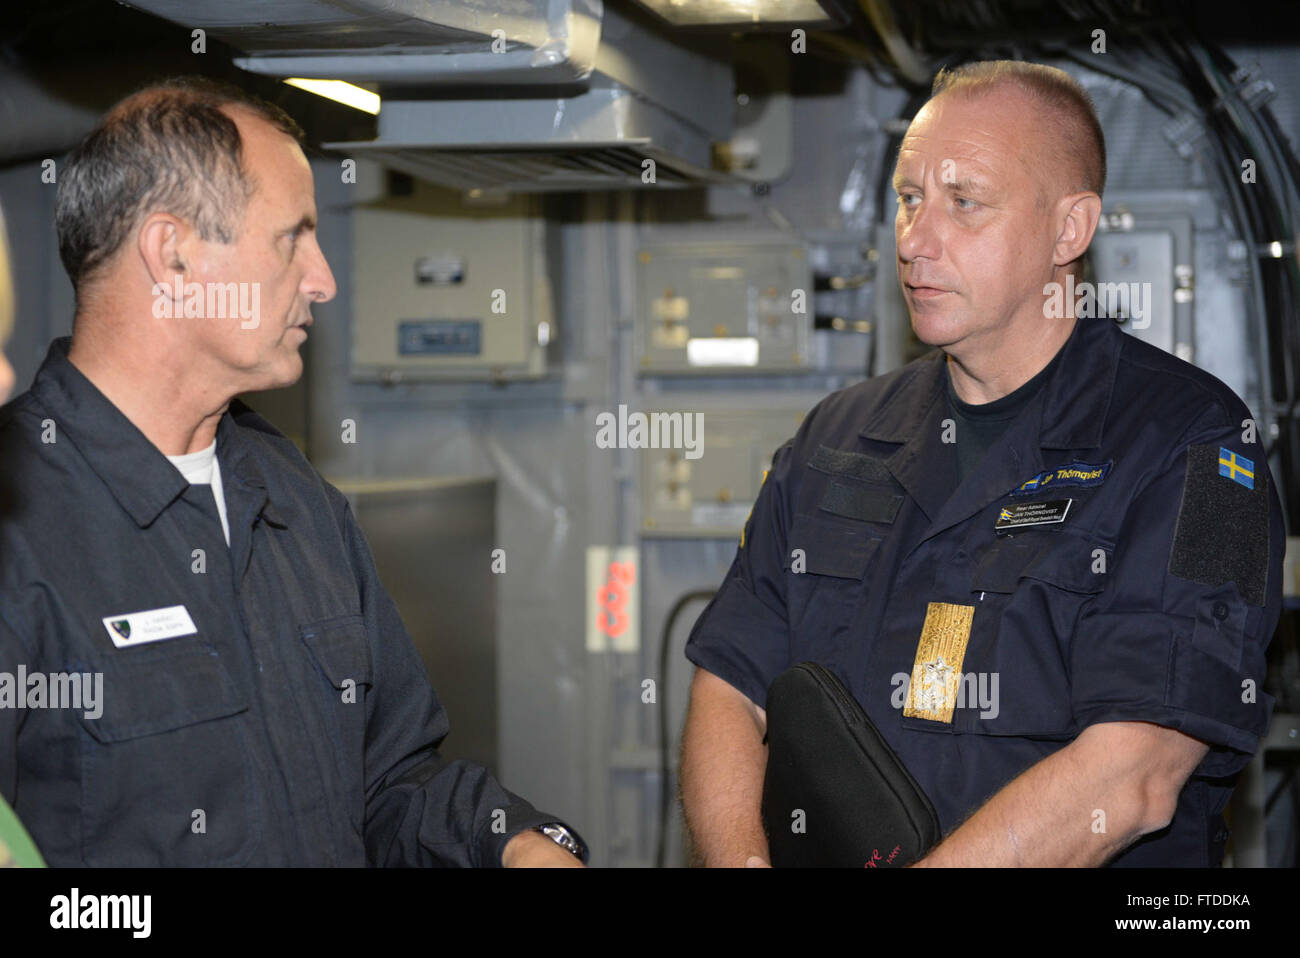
x: 562, y: 837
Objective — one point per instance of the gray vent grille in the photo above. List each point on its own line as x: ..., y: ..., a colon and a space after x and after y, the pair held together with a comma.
x: 540, y: 170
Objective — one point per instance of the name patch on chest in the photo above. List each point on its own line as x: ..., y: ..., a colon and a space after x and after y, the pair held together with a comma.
x: 1072, y: 474
x: 1032, y: 514
x: 151, y: 625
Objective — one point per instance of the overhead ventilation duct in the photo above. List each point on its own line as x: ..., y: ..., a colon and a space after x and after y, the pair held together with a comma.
x: 402, y: 41
x: 512, y: 95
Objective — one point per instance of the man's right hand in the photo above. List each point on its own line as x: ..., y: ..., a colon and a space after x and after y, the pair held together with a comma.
x: 722, y: 768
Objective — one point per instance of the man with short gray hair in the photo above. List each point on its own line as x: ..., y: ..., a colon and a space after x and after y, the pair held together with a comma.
x: 263, y: 703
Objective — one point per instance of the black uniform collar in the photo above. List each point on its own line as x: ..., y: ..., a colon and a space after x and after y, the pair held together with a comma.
x: 139, y: 476
x: 1068, y: 413
x: 1075, y: 398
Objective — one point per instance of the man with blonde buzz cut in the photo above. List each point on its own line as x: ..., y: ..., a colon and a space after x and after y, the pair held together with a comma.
x: 1043, y: 508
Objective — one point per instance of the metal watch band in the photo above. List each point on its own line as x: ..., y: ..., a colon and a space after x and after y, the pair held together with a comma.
x: 562, y: 837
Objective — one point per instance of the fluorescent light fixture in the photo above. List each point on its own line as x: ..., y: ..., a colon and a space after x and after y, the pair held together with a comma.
x: 699, y: 13
x: 339, y: 91
x: 722, y: 351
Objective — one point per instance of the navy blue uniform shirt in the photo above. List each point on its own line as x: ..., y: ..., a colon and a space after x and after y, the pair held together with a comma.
x: 294, y: 725
x: 1152, y: 599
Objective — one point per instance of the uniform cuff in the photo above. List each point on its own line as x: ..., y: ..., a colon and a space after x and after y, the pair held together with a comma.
x: 719, y: 665
x: 519, y: 818
x: 1138, y: 669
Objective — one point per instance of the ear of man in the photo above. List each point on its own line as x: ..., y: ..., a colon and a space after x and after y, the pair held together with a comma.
x: 161, y: 243
x: 1075, y: 218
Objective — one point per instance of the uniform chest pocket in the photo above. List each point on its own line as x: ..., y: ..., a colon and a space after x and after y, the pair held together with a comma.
x: 165, y: 772
x: 1028, y: 591
x: 827, y: 567
x: 1059, y: 559
x: 343, y: 676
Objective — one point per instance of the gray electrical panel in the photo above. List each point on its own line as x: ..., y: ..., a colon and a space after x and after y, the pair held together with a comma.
x: 1142, y: 260
x: 445, y: 290
x: 711, y: 494
x: 723, y: 308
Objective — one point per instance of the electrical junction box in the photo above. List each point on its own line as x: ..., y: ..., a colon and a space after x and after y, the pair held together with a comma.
x: 1143, y: 258
x: 708, y: 491
x: 723, y: 308
x: 445, y: 290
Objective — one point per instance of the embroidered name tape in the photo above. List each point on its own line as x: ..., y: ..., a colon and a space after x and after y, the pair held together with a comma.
x: 1032, y: 514
x: 1074, y: 474
x: 152, y: 625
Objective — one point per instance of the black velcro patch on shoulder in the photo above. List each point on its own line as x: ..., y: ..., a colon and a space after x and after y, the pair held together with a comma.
x: 1222, y: 532
x: 859, y: 502
x: 852, y: 464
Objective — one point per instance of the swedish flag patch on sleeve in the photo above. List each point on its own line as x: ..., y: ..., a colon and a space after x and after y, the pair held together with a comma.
x: 1237, y: 468
x: 1222, y: 533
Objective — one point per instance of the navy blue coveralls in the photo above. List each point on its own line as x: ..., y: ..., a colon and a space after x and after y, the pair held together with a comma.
x: 296, y: 726
x: 1081, y: 620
